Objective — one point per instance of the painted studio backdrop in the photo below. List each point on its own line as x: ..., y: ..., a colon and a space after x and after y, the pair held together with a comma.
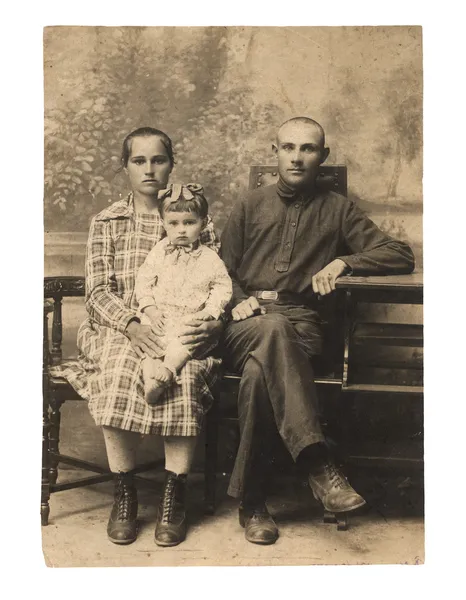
x: 221, y: 93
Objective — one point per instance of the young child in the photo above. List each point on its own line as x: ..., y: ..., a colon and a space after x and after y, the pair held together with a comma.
x: 180, y: 279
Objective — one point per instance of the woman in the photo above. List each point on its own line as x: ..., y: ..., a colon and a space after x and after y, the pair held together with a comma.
x: 112, y: 343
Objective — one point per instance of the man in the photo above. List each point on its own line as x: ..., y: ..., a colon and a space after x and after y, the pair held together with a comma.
x: 284, y: 246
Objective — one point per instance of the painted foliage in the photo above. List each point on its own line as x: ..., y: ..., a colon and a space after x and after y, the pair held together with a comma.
x: 220, y: 94
x: 163, y: 78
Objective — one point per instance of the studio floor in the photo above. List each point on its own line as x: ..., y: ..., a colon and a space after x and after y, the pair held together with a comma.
x: 390, y: 531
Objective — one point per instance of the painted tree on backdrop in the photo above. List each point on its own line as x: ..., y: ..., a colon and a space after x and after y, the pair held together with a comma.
x: 152, y: 76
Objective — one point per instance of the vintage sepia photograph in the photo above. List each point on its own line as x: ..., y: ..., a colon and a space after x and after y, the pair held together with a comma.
x: 233, y: 296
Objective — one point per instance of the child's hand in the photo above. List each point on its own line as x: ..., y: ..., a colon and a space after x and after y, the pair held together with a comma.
x: 156, y: 318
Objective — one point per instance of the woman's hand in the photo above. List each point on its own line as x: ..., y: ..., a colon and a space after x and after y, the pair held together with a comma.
x: 157, y: 319
x: 144, y: 340
x: 198, y: 335
x: 202, y: 315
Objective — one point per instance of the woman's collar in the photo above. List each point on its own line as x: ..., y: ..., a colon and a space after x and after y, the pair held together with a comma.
x: 119, y: 209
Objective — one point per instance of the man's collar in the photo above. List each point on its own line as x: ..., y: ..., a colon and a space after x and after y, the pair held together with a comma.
x: 287, y: 193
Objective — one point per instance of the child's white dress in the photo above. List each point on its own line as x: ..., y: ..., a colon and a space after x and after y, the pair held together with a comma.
x: 181, y: 281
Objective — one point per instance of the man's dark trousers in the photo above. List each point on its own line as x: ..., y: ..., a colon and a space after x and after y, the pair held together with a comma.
x: 277, y: 390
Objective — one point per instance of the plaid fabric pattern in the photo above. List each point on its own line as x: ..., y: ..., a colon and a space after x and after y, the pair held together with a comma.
x: 108, y: 373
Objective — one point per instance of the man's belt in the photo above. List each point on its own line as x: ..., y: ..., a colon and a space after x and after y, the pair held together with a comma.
x: 286, y: 297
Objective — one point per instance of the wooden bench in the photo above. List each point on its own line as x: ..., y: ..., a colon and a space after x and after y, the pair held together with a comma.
x: 56, y: 390
x: 359, y: 333
x: 340, y: 373
x: 345, y: 374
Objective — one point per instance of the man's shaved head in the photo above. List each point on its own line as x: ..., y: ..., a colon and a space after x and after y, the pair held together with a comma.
x: 305, y: 121
x: 300, y: 149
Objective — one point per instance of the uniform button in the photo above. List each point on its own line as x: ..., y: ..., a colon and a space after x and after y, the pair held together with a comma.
x: 297, y: 205
x: 293, y: 224
x: 287, y: 244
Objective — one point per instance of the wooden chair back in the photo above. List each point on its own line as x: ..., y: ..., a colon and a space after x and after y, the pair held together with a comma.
x: 331, y: 177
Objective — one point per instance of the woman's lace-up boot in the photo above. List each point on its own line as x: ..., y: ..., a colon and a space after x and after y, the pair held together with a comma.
x: 171, y: 517
x: 122, y: 525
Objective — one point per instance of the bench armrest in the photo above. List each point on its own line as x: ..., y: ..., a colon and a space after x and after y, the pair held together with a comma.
x: 55, y: 289
x: 63, y: 286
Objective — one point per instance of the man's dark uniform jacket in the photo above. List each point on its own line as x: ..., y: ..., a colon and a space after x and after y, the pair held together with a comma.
x: 278, y: 243
x: 276, y: 240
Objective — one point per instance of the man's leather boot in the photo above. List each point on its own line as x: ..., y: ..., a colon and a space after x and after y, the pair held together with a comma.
x: 259, y: 527
x: 171, y: 526
x: 122, y: 525
x: 331, y: 487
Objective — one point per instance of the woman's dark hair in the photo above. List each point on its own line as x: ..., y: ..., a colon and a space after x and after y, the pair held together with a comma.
x: 146, y: 132
x: 197, y: 205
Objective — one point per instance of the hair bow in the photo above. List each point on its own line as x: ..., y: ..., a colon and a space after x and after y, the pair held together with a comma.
x: 176, y: 191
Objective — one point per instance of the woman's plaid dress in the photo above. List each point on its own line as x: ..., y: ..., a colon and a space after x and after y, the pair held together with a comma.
x: 109, y: 373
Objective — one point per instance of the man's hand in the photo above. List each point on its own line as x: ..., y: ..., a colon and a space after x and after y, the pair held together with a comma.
x: 156, y: 318
x: 144, y: 340
x: 323, y: 282
x: 246, y: 308
x: 198, y: 335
